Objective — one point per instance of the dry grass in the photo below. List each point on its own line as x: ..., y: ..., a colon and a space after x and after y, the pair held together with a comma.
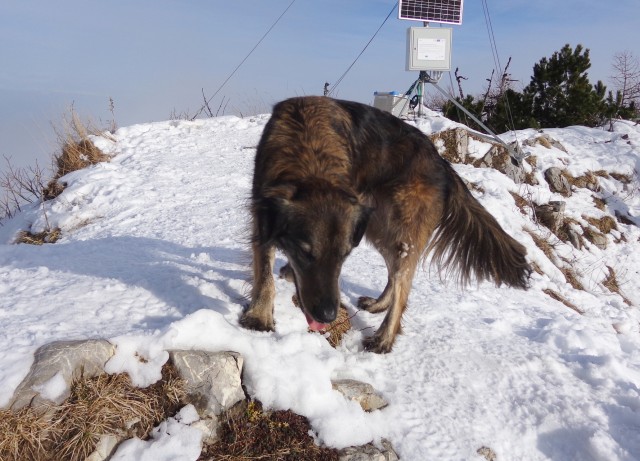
x: 599, y: 203
x: 532, y: 160
x: 611, y: 283
x: 24, y: 435
x: 106, y: 404
x: 39, y: 238
x: 589, y: 181
x: 247, y: 432
x: 571, y: 277
x: 521, y: 202
x: 623, y: 178
x: 77, y: 152
x: 605, y: 224
x: 543, y: 244
x: 563, y: 300
x: 339, y: 327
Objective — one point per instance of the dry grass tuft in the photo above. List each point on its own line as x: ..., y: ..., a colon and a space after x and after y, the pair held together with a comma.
x: 563, y: 300
x: 589, y: 181
x: 25, y: 434
x: 339, y: 327
x: 543, y: 244
x: 106, y: 404
x: 599, y: 203
x: 605, y: 224
x: 623, y: 178
x: 611, y: 283
x: 571, y: 277
x: 247, y: 432
x: 39, y: 238
x: 77, y: 152
x: 521, y: 202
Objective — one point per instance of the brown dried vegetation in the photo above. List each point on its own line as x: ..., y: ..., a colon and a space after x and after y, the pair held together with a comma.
x: 611, y: 283
x: 248, y: 433
x: 106, y: 404
x: 555, y: 295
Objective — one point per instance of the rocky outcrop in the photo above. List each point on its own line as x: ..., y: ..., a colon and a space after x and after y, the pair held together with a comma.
x: 213, y: 385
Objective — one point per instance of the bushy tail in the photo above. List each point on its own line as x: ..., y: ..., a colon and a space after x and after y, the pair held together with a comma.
x: 470, y: 241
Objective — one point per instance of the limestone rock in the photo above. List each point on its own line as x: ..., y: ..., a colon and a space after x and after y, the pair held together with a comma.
x: 369, y: 452
x: 209, y: 427
x: 557, y: 181
x: 498, y: 158
x: 598, y: 239
x: 104, y: 448
x: 56, y: 365
x: 213, y: 379
x: 363, y: 393
x: 551, y: 214
x: 453, y: 144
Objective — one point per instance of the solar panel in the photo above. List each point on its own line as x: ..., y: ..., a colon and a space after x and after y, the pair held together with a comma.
x: 446, y: 11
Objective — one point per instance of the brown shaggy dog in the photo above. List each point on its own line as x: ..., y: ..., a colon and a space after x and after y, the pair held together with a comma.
x: 327, y: 173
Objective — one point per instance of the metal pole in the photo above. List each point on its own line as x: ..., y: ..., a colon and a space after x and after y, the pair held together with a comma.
x: 516, y: 155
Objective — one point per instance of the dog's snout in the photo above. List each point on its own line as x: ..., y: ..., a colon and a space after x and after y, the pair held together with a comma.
x: 326, y: 315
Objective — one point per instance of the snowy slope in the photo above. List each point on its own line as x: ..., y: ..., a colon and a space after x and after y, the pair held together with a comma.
x: 154, y: 257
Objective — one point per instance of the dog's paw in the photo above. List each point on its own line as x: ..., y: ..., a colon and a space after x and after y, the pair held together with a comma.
x: 376, y: 345
x: 370, y: 304
x: 251, y: 322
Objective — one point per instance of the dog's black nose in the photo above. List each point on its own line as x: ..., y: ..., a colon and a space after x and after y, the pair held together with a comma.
x: 325, y: 314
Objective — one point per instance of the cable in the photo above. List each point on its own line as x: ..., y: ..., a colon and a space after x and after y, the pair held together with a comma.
x: 245, y: 58
x: 496, y: 59
x: 363, y: 50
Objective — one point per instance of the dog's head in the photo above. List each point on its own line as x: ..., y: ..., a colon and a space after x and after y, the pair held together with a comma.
x: 316, y: 226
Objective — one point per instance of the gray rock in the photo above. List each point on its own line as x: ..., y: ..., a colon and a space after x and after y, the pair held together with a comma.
x: 363, y: 393
x: 452, y: 144
x: 209, y: 427
x: 68, y: 360
x: 213, y: 379
x: 499, y: 158
x: 105, y: 447
x: 487, y: 453
x: 575, y: 238
x: 369, y: 452
x: 551, y: 214
x: 598, y: 239
x: 557, y: 181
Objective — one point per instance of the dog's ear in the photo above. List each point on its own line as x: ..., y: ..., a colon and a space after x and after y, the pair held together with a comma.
x: 361, y: 224
x: 270, y: 209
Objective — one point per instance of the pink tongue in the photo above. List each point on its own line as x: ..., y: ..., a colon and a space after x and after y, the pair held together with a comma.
x: 313, y: 325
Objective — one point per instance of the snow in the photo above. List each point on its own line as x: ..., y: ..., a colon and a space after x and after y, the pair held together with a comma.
x: 154, y: 256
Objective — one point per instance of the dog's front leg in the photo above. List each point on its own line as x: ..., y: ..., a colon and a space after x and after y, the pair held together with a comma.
x: 259, y: 313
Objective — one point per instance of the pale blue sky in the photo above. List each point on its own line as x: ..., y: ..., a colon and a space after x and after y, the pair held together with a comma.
x: 152, y: 57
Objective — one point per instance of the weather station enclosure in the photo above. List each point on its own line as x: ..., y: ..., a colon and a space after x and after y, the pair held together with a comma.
x: 429, y: 48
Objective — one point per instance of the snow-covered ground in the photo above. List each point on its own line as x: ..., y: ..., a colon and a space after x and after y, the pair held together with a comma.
x: 153, y: 256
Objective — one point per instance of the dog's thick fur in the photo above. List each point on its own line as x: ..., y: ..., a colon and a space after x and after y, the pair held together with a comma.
x: 327, y: 173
